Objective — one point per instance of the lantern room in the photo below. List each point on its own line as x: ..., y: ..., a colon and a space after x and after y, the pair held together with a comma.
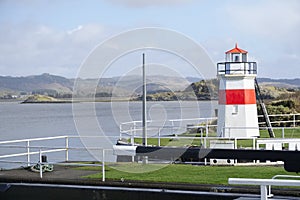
x: 236, y: 63
x: 236, y: 55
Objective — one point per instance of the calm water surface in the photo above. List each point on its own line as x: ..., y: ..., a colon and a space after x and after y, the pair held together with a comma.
x: 21, y: 121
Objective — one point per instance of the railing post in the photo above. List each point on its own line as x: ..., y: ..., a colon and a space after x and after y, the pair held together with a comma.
x: 40, y: 163
x: 120, y: 131
x: 235, y: 143
x: 28, y: 153
x: 103, y: 165
x: 294, y: 120
x: 263, y: 192
x: 131, y: 137
x: 172, y: 124
x: 282, y: 132
x: 67, y: 148
x: 134, y: 128
x: 158, y: 137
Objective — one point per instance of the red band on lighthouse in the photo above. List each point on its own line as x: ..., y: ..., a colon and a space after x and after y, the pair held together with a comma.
x: 235, y: 97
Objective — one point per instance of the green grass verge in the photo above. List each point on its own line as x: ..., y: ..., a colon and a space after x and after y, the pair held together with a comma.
x: 186, y: 173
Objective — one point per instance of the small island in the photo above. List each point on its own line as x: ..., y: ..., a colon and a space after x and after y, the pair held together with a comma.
x: 43, y: 99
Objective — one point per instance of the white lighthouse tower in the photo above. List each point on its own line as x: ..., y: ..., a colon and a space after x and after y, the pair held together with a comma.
x: 237, y: 111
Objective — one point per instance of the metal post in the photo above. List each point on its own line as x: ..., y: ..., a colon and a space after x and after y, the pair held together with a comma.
x: 67, y: 148
x: 144, y: 104
x: 269, y: 192
x: 40, y: 163
x: 158, y: 137
x: 205, y: 159
x: 235, y: 143
x: 145, y: 158
x: 134, y: 127
x: 294, y: 120
x: 120, y: 131
x: 263, y: 192
x: 28, y: 153
x: 282, y: 132
x: 103, y: 165
x: 172, y: 129
x: 206, y: 129
x: 131, y: 137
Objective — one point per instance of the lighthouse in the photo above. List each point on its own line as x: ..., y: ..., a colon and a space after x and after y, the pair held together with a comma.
x: 237, y: 111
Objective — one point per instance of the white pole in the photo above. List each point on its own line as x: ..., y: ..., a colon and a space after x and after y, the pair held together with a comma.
x: 67, y: 148
x: 263, y: 192
x: 103, y: 165
x: 144, y: 104
x: 40, y: 163
x: 145, y: 158
x: 158, y: 137
x: 28, y: 153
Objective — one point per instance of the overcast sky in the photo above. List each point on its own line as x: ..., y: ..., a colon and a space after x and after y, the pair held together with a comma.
x: 55, y: 36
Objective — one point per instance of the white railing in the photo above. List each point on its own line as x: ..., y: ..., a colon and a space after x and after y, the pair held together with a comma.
x: 28, y: 143
x: 281, y: 176
x: 171, y: 126
x: 293, y: 119
x: 263, y: 183
x: 203, y: 141
x: 176, y: 126
x: 40, y: 150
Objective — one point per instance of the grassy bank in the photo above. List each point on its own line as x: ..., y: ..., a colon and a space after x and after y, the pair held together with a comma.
x: 185, y: 173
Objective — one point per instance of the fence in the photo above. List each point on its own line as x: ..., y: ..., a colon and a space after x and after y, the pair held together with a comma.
x: 263, y: 183
x: 203, y: 125
x: 30, y: 150
x: 292, y: 120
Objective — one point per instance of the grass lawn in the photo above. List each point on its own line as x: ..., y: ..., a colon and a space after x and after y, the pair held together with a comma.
x: 193, y: 173
x: 185, y: 173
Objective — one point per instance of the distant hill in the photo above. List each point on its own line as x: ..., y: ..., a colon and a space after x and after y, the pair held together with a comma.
x: 160, y: 87
x: 281, y: 83
x: 31, y: 83
x: 208, y: 90
x: 58, y: 86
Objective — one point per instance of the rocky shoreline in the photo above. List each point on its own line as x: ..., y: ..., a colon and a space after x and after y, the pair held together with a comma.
x: 43, y: 99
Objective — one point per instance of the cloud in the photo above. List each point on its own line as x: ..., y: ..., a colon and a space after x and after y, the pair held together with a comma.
x: 270, y: 29
x: 34, y: 49
x: 268, y: 18
x: 149, y: 3
x: 78, y: 28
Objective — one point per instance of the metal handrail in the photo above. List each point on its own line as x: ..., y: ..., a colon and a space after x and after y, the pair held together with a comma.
x: 49, y: 150
x: 280, y: 176
x: 263, y: 183
x: 133, y: 126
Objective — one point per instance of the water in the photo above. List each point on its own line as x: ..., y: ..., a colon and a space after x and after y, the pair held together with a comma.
x: 21, y: 121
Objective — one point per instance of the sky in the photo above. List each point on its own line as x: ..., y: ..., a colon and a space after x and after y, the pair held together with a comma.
x: 56, y: 36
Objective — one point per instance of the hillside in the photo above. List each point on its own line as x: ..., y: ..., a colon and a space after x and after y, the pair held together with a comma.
x: 208, y: 90
x: 39, y: 84
x: 159, y: 88
x: 281, y: 83
x: 61, y: 87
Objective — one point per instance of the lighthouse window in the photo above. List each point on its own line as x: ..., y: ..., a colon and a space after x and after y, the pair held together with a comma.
x: 235, y: 109
x: 244, y: 57
x: 236, y: 58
